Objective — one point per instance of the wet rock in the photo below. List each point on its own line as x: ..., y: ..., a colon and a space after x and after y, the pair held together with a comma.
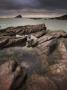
x: 3, y: 41
x: 58, y: 72
x: 31, y: 41
x: 11, y: 76
x: 35, y: 28
x: 39, y: 34
x: 11, y: 31
x: 9, y: 42
x: 63, y: 51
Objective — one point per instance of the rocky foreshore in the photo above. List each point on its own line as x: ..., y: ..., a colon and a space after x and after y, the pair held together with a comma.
x: 42, y: 67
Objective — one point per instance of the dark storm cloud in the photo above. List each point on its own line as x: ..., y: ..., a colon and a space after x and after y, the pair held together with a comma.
x: 10, y: 7
x: 53, y: 4
x: 18, y: 4
x: 38, y: 4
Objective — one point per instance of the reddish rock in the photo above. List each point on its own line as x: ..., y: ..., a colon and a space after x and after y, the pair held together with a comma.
x: 58, y: 74
x: 11, y: 76
x: 37, y: 82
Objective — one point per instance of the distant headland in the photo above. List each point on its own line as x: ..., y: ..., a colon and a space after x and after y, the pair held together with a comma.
x: 63, y: 17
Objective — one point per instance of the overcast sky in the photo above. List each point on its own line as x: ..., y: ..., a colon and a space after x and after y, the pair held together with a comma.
x: 12, y: 7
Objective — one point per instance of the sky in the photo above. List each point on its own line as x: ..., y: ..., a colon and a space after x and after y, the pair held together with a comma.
x: 33, y: 7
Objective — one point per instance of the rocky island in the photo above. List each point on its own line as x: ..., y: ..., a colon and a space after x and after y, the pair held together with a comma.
x: 42, y: 66
x: 18, y: 16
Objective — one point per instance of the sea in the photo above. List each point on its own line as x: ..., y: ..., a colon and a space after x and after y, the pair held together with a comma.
x: 50, y: 24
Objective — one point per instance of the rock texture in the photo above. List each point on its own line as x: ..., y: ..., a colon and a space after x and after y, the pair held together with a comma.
x: 8, y: 36
x: 48, y: 71
x: 37, y: 82
x: 11, y: 76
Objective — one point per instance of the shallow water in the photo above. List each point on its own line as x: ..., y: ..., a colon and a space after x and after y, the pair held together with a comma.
x: 50, y: 24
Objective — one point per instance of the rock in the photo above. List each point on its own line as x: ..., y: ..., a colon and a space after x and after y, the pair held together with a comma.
x: 58, y: 74
x: 3, y: 41
x: 10, y: 33
x: 28, y: 29
x: 37, y: 60
x: 31, y: 41
x: 19, y: 16
x: 58, y: 34
x: 37, y: 82
x: 58, y: 69
x: 11, y: 76
x: 9, y: 42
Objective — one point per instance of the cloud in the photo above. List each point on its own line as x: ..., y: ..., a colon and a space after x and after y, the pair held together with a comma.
x: 53, y: 4
x: 9, y: 6
x: 45, y: 4
x: 18, y: 4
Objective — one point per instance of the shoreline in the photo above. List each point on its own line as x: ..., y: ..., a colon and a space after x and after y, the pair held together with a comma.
x: 51, y: 24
